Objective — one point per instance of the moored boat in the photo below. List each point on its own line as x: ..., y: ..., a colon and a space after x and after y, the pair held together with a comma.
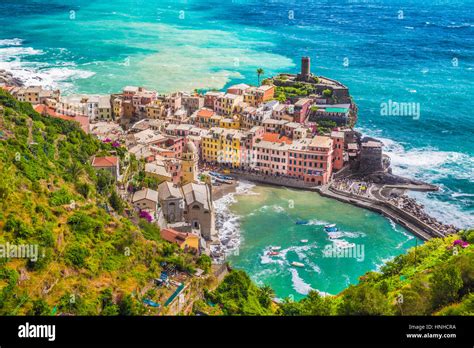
x: 304, y: 241
x: 301, y: 222
x: 297, y: 264
x: 276, y: 247
x: 330, y: 228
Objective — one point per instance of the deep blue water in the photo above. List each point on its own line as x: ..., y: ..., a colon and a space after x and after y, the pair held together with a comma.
x: 404, y: 51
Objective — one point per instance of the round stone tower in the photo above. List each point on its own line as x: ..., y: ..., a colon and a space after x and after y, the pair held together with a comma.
x: 305, y: 68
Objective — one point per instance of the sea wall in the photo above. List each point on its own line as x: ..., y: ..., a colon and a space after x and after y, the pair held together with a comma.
x: 410, y: 222
x: 274, y: 180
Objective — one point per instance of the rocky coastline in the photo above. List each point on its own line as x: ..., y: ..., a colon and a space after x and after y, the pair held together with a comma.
x: 7, y: 78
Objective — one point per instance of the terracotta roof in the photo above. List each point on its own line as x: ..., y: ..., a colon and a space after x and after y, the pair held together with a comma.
x: 276, y: 138
x: 82, y: 120
x: 205, y: 113
x: 174, y: 236
x: 108, y: 161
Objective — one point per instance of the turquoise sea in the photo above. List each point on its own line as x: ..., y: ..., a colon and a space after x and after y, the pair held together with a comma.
x: 267, y: 217
x: 411, y: 51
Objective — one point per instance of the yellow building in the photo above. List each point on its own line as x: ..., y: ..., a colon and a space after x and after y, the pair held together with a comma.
x: 222, y: 145
x: 226, y: 104
x: 155, y: 109
x: 211, y: 145
x: 231, y: 123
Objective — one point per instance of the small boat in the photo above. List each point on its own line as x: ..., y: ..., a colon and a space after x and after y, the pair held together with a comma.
x: 304, y: 241
x: 297, y: 264
x: 276, y: 247
x: 330, y: 228
x: 273, y: 253
x: 301, y: 222
x: 224, y: 181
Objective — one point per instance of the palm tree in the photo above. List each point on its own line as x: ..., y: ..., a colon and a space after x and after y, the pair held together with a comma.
x: 75, y: 170
x: 266, y: 295
x: 259, y: 73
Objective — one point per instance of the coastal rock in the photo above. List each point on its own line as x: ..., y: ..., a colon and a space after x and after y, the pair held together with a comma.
x: 7, y: 78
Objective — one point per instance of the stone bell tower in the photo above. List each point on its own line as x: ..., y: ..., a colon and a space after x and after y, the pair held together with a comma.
x: 189, y: 163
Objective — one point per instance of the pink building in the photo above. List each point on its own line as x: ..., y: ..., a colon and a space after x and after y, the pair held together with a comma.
x: 338, y: 146
x: 311, y: 159
x: 271, y: 154
x: 301, y: 110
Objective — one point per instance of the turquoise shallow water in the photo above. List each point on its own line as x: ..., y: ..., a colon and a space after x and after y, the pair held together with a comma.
x: 419, y: 51
x: 267, y: 217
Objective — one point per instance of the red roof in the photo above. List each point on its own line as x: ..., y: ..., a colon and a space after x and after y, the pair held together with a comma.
x: 108, y: 161
x: 82, y: 120
x: 276, y: 138
x: 7, y: 88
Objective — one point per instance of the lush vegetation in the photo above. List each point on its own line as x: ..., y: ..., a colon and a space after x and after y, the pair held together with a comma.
x: 91, y: 259
x: 436, y: 278
x: 238, y: 295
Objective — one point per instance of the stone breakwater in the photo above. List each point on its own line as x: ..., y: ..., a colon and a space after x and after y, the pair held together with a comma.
x: 369, y: 197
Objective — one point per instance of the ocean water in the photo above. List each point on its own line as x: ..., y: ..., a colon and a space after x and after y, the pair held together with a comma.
x: 266, y: 217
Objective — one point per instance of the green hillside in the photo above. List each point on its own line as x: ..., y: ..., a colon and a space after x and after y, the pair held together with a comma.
x: 91, y: 262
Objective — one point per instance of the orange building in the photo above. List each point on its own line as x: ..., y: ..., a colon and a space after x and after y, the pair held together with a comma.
x: 186, y: 241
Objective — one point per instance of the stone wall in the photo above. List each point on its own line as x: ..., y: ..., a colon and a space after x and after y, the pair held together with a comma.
x: 274, y: 180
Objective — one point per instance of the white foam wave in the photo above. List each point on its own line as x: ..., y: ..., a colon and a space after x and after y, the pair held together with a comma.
x: 15, y: 59
x: 298, y: 283
x: 11, y: 42
x: 428, y: 163
x: 227, y: 223
x: 431, y: 165
x: 315, y: 222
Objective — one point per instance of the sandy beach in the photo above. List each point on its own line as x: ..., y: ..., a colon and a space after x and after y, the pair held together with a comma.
x: 224, y: 189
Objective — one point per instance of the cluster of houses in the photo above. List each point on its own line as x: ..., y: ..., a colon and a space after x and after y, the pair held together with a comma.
x: 243, y: 128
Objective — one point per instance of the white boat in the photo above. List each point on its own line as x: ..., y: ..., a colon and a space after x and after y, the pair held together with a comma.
x: 276, y: 247
x: 297, y: 264
x: 304, y: 241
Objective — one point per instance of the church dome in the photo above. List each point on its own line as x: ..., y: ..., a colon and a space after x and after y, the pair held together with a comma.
x: 190, y: 147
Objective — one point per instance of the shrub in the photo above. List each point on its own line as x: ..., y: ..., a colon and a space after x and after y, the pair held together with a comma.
x: 83, y: 224
x: 76, y: 255
x: 60, y: 197
x: 445, y: 284
x: 116, y: 202
x: 204, y: 262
